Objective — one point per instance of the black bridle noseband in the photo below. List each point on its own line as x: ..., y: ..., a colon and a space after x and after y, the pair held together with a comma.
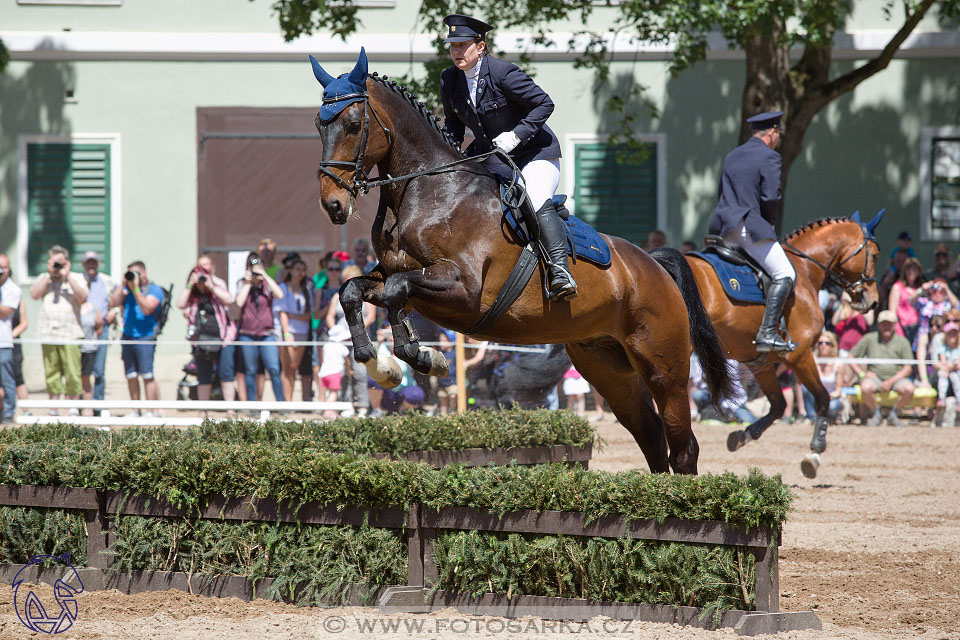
x: 852, y: 288
x: 361, y: 181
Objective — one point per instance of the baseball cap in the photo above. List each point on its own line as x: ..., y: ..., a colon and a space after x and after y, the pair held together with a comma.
x: 887, y: 316
x: 91, y: 255
x: 951, y: 326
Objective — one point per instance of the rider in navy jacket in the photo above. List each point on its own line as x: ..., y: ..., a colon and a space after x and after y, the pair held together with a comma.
x: 505, y: 108
x: 747, y: 208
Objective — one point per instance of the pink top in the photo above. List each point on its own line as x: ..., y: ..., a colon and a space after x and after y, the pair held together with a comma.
x: 906, y: 312
x: 572, y: 373
x: 850, y: 330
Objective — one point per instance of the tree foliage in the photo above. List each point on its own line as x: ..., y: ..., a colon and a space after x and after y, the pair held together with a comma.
x: 788, y: 43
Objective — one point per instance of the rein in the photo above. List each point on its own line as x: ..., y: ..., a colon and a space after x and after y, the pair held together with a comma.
x: 361, y: 181
x: 835, y: 278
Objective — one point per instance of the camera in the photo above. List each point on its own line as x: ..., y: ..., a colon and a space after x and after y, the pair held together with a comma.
x: 254, y: 261
x: 58, y: 265
x: 130, y: 276
x: 202, y: 279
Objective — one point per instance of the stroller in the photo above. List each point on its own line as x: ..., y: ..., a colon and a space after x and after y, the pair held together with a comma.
x: 187, y: 387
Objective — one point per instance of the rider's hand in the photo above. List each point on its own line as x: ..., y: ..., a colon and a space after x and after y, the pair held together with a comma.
x: 507, y: 141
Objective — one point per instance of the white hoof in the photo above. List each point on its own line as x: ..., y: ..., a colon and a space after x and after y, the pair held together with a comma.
x: 385, y: 371
x: 810, y: 464
x: 439, y: 366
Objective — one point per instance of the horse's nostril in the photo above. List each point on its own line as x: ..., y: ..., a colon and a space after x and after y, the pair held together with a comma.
x: 334, y: 206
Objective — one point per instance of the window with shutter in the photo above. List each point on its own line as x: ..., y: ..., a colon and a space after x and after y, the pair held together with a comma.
x: 616, y: 197
x: 68, y: 201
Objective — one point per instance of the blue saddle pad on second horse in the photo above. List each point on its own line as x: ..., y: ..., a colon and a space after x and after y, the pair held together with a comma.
x: 581, y: 237
x: 738, y: 280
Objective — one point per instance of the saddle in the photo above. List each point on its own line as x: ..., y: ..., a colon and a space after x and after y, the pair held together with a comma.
x: 583, y: 241
x: 742, y: 277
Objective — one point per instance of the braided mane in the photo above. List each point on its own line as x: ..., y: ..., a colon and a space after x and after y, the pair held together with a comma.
x: 815, y: 223
x: 419, y: 107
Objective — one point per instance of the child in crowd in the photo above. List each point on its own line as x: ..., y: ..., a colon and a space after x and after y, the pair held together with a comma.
x: 92, y: 324
x: 576, y: 388
x: 948, y: 363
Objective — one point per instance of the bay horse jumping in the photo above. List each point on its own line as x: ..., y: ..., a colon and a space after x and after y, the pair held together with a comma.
x: 444, y: 252
x: 841, y: 250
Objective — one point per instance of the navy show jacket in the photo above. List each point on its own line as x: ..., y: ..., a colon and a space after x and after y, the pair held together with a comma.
x: 507, y: 100
x: 749, y: 191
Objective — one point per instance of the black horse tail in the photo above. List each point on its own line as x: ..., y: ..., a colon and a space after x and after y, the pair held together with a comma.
x: 703, y: 336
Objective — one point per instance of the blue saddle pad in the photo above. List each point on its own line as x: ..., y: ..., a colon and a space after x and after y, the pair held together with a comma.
x: 737, y: 280
x: 589, y: 246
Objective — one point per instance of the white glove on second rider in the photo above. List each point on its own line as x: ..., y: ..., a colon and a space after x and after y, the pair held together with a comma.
x: 507, y: 141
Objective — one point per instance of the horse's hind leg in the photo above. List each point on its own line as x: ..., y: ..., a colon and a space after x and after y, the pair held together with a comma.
x: 606, y: 366
x: 663, y: 363
x: 770, y: 385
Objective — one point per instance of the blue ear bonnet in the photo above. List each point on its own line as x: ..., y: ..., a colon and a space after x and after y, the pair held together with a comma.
x: 870, y: 226
x: 347, y: 84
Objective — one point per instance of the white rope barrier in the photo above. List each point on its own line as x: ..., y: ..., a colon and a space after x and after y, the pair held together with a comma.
x: 490, y: 346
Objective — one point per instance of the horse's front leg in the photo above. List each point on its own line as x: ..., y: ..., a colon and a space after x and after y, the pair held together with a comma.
x: 353, y: 294
x: 807, y: 373
x: 439, y: 282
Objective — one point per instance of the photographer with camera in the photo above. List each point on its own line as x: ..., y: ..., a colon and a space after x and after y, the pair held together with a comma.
x: 141, y: 299
x: 258, y: 342
x: 206, y: 300
x: 61, y: 293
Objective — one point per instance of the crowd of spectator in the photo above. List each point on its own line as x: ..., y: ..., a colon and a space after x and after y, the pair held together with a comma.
x: 261, y: 333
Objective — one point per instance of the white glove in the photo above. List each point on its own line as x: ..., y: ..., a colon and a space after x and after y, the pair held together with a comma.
x: 507, y: 141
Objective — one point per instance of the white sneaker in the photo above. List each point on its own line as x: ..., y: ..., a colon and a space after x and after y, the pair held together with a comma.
x: 53, y: 412
x: 73, y: 412
x: 348, y: 413
x: 132, y: 414
x: 105, y: 413
x: 149, y: 414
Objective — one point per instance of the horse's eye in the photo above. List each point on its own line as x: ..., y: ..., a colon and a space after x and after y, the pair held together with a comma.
x: 353, y: 127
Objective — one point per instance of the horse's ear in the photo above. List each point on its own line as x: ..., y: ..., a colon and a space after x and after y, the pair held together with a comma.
x: 323, y: 77
x: 359, y: 73
x: 856, y: 216
x: 876, y: 220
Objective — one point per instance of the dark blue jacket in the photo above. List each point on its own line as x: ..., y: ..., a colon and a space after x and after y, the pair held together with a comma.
x: 749, y: 191
x: 507, y: 100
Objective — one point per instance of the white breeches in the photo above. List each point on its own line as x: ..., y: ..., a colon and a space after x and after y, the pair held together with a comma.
x: 769, y: 253
x: 541, y: 178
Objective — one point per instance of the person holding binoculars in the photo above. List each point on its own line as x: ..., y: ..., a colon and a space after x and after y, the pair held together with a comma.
x: 61, y: 293
x: 140, y: 299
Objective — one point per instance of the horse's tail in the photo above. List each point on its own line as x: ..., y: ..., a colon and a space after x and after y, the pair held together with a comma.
x: 703, y: 336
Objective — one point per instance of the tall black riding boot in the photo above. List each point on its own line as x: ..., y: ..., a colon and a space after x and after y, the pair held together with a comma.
x: 767, y: 338
x: 548, y: 232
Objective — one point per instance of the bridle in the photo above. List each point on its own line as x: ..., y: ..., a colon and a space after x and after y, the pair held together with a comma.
x: 854, y: 289
x: 361, y: 180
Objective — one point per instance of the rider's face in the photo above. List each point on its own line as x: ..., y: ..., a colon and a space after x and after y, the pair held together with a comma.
x: 465, y: 55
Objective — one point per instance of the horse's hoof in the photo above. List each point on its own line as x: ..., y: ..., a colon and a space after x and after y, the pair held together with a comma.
x: 736, y: 440
x: 810, y: 464
x: 385, y: 372
x: 439, y: 367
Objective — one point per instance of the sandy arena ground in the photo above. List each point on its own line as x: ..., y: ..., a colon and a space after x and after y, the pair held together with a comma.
x: 873, y: 545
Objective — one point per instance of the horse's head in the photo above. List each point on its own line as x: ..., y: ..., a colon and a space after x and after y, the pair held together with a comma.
x: 354, y: 138
x: 858, y: 263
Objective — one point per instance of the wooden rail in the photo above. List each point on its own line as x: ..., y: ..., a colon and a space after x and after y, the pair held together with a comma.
x: 420, y: 525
